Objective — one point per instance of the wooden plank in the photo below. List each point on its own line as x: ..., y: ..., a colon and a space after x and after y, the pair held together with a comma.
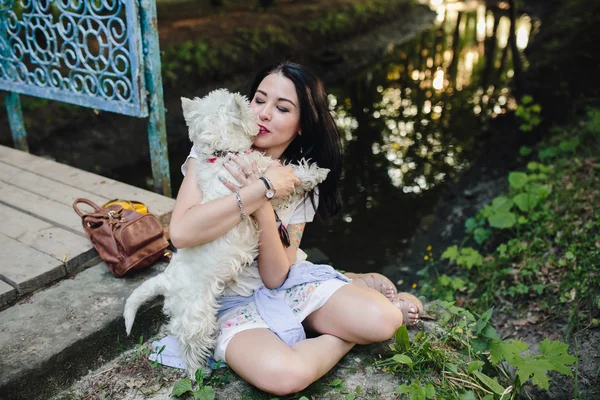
x: 25, y: 268
x: 159, y: 205
x: 71, y: 249
x: 50, y: 188
x: 7, y: 294
x: 43, y: 208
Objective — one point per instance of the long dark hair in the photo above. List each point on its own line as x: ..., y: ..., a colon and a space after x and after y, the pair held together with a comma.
x: 320, y: 139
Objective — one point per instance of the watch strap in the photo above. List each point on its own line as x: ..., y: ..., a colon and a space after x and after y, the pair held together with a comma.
x: 266, y: 182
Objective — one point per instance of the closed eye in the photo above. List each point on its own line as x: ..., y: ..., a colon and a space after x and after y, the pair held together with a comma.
x: 258, y: 101
x: 283, y: 109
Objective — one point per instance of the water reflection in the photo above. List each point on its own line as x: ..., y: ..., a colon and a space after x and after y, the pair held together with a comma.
x: 412, y: 122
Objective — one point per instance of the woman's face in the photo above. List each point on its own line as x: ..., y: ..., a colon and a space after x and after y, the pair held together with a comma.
x: 277, y: 111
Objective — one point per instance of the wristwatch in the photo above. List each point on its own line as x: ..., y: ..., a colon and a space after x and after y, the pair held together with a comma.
x: 270, y: 192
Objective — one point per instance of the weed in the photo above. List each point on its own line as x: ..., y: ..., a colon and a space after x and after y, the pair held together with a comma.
x: 467, y: 356
x: 528, y: 113
x: 185, y: 386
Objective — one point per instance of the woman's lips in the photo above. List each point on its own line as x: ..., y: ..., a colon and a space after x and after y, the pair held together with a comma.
x: 262, y: 130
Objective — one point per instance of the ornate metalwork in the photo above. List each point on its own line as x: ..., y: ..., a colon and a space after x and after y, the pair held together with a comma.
x: 85, y: 52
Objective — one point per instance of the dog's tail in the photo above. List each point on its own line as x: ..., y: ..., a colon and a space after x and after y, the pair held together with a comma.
x: 148, y: 290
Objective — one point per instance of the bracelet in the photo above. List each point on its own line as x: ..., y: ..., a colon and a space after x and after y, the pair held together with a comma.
x: 238, y: 199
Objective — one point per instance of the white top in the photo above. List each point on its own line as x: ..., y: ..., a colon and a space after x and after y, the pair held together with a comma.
x: 303, y: 211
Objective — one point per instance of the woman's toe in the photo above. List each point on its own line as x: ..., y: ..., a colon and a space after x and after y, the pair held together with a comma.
x: 390, y: 293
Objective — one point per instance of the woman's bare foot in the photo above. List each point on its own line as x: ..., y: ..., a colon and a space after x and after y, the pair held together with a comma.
x: 375, y: 281
x: 410, y: 305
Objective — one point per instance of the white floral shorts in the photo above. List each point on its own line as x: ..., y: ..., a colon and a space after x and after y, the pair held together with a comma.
x: 302, y: 299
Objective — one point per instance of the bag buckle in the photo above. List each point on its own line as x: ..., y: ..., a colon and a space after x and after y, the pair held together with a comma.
x: 113, y: 216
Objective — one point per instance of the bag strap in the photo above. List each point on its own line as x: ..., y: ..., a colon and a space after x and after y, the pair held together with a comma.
x: 85, y: 201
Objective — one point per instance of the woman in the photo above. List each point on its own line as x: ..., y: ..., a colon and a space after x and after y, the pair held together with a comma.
x: 291, y: 107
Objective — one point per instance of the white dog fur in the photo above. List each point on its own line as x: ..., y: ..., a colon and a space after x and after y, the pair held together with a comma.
x: 195, y: 278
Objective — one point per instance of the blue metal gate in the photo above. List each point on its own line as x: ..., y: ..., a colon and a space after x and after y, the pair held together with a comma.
x: 101, y: 54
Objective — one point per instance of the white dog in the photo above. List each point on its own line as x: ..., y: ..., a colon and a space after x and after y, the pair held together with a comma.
x: 220, y: 123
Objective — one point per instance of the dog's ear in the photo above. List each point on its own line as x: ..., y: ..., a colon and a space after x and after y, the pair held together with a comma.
x: 247, y: 117
x: 234, y: 105
x: 186, y: 105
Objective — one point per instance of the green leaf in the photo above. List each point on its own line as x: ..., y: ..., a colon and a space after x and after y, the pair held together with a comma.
x: 350, y: 396
x: 479, y: 345
x: 470, y: 225
x: 182, y: 386
x: 481, y: 235
x: 402, y: 389
x: 402, y: 359
x: 450, y: 253
x: 522, y: 220
x: 199, y: 375
x: 490, y: 332
x: 525, y: 151
x: 556, y: 353
x: 509, y: 350
x: 335, y: 382
x: 526, y: 99
x: 492, y: 384
x: 469, y: 258
x: 457, y: 283
x: 205, y: 393
x: 517, y: 179
x: 470, y: 395
x: 429, y: 391
x: 544, y: 168
x: 475, y: 366
x: 548, y: 152
x: 402, y: 338
x: 532, y: 166
x: 526, y: 201
x: 541, y: 190
x: 502, y: 220
x: 535, y: 369
x: 416, y: 392
x: 568, y: 145
x: 502, y: 204
x: 487, y: 315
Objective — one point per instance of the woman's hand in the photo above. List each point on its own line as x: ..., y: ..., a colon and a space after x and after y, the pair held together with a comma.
x: 282, y: 179
x: 245, y: 174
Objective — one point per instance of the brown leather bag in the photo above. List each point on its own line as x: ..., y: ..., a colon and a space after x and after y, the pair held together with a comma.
x: 125, y: 240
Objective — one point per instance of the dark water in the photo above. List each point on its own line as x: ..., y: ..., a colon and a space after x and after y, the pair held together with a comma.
x: 410, y: 124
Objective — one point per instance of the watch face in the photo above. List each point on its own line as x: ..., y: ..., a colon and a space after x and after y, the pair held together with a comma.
x: 270, y: 193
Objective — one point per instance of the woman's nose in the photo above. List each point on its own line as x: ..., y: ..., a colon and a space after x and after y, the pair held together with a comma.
x: 265, y: 113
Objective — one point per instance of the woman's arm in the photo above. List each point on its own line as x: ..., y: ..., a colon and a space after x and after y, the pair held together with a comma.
x: 274, y: 259
x: 193, y: 223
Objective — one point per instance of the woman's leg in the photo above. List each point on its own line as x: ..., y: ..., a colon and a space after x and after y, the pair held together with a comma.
x: 358, y: 315
x: 410, y: 305
x: 263, y: 360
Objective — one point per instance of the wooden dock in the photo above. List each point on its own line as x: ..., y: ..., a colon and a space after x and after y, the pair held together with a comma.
x: 41, y: 237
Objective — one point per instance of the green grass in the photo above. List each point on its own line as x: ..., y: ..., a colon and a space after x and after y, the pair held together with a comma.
x: 538, y: 245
